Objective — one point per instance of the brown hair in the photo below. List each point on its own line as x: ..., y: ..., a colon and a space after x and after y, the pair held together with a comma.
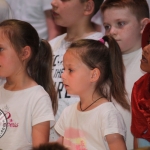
x: 39, y: 66
x: 50, y: 146
x: 109, y: 61
x: 138, y: 7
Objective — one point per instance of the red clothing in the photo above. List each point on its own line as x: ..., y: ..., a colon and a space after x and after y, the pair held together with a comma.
x: 140, y: 104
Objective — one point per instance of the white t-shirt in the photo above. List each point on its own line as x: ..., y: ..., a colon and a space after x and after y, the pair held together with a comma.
x: 32, y: 11
x: 23, y: 109
x: 97, y: 19
x: 87, y: 130
x: 132, y: 73
x: 59, y: 47
x: 2, y: 81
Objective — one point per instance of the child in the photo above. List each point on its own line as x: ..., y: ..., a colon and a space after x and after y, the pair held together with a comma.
x: 25, y: 62
x: 140, y: 126
x: 125, y: 21
x: 5, y: 13
x: 51, y: 146
x: 76, y: 16
x: 93, y: 123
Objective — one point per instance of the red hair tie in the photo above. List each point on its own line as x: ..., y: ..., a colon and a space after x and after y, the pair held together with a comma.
x: 102, y: 41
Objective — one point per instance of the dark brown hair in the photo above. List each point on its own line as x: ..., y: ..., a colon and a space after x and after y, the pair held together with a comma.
x: 50, y: 146
x: 109, y: 61
x: 39, y: 66
x: 138, y: 7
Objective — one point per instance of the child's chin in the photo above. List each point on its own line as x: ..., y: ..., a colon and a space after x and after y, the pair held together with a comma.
x: 71, y: 93
x: 145, y: 68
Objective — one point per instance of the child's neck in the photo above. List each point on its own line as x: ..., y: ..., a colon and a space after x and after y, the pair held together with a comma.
x: 90, y: 102
x: 19, y: 83
x: 79, y: 32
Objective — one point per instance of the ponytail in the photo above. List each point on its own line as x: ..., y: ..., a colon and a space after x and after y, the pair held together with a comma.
x: 117, y: 87
x: 41, y: 71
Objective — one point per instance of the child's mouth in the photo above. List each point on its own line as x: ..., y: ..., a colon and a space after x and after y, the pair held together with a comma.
x: 144, y: 60
x: 54, y: 14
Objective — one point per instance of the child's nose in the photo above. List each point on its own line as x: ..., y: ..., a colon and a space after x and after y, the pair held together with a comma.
x: 54, y: 3
x: 113, y: 31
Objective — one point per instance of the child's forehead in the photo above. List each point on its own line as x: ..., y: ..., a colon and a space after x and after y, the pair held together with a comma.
x: 119, y: 9
x: 3, y: 35
x: 116, y: 13
x: 71, y: 53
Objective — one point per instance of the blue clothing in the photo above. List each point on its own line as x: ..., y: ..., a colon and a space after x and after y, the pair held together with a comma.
x: 143, y: 143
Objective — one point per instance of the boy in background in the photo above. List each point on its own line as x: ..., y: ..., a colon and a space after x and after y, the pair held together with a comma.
x: 125, y: 21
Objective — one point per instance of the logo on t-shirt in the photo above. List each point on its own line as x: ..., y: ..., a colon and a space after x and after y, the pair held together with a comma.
x: 3, y: 123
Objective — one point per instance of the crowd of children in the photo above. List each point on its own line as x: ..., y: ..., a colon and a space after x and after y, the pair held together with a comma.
x: 91, y: 84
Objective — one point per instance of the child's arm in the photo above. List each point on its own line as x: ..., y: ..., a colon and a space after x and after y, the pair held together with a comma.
x: 116, y: 141
x: 40, y: 133
x: 60, y: 140
x: 135, y: 143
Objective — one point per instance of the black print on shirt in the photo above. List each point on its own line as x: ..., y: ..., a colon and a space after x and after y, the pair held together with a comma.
x: 60, y: 89
x: 3, y: 123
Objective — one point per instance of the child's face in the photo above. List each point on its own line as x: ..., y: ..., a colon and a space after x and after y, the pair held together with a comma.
x: 145, y: 62
x: 124, y: 27
x: 76, y: 75
x: 10, y: 64
x: 67, y: 13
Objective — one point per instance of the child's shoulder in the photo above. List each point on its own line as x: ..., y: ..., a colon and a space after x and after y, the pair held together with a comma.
x: 69, y: 111
x: 71, y: 107
x: 57, y: 39
x: 95, y: 36
x: 34, y: 92
x: 107, y: 107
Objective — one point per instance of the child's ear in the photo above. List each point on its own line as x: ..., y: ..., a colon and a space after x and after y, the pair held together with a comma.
x: 89, y: 7
x: 144, y: 22
x: 26, y: 53
x: 95, y: 74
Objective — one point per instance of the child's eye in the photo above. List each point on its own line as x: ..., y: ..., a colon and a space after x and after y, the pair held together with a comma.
x: 107, y: 27
x: 1, y: 49
x: 70, y: 70
x: 120, y: 24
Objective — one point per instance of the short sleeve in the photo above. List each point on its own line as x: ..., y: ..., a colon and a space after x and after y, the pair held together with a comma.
x: 60, y: 124
x: 42, y: 111
x: 112, y: 122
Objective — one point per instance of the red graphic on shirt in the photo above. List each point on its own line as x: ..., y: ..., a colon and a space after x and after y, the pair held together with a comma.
x: 75, y: 139
x: 10, y: 122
